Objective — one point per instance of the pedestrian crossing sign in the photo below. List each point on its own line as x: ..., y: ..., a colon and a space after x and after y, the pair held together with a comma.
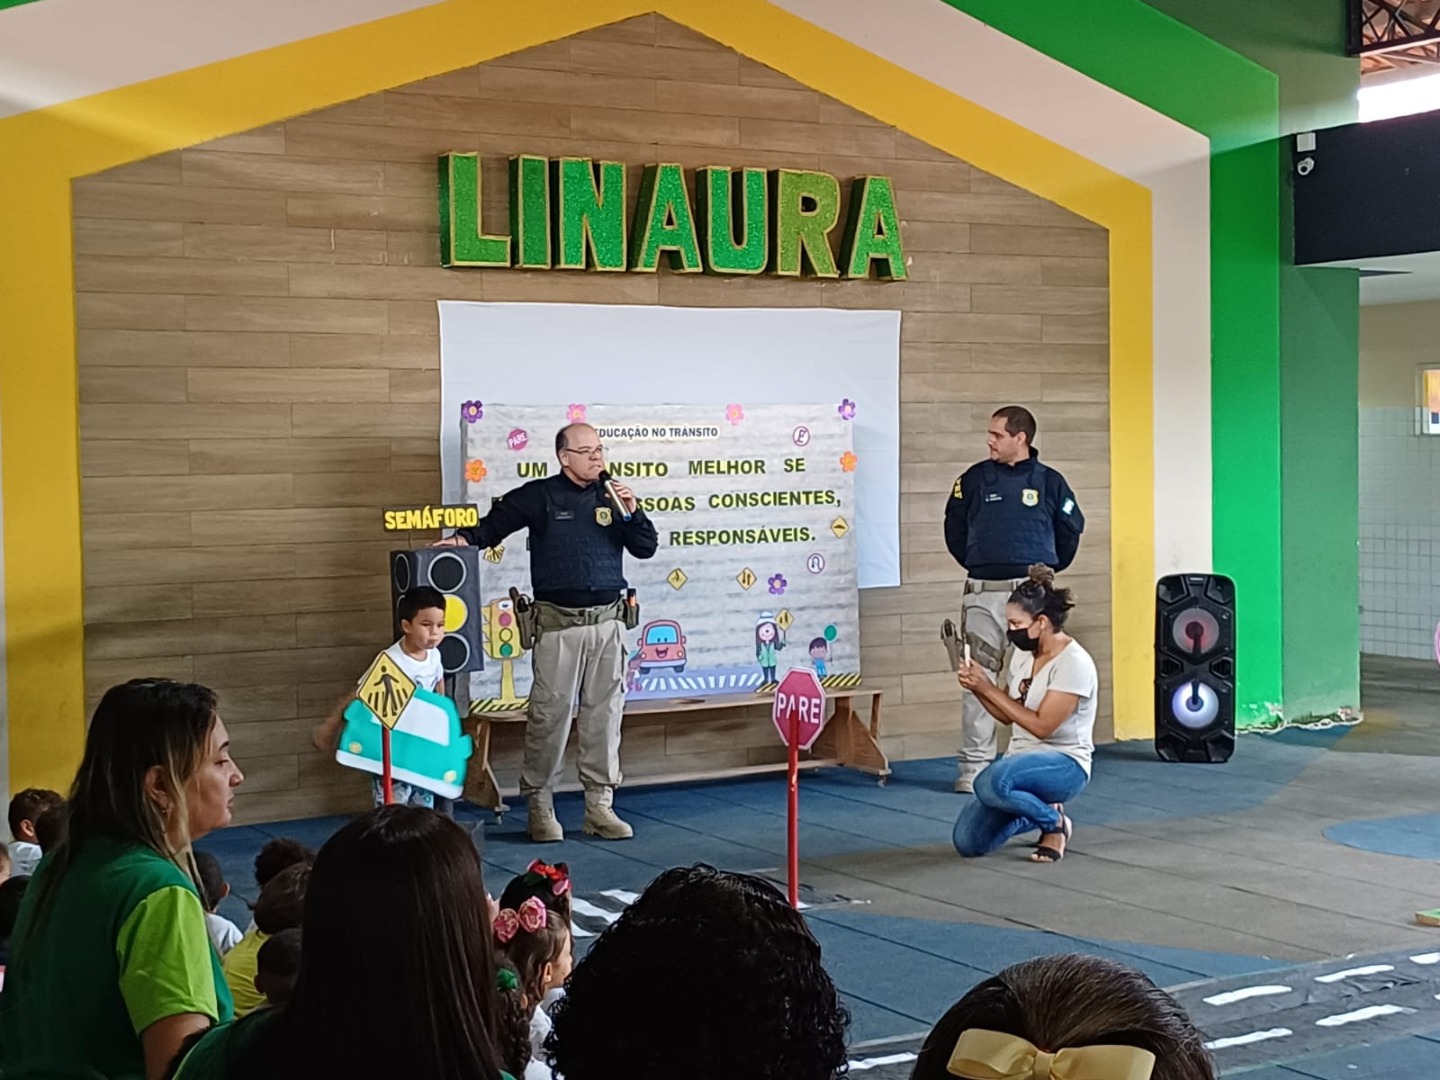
x: 386, y: 690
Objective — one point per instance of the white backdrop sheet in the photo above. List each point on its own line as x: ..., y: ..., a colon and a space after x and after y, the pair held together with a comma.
x: 564, y: 354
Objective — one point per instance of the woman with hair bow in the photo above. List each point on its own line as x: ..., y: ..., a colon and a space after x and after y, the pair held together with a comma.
x: 1065, y: 1018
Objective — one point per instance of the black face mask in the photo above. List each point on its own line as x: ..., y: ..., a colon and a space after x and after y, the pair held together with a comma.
x: 1021, y: 639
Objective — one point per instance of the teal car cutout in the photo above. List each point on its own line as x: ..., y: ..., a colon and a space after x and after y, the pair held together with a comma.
x: 428, y: 747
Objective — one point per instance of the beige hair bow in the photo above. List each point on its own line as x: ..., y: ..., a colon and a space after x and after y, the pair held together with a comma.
x: 993, y: 1055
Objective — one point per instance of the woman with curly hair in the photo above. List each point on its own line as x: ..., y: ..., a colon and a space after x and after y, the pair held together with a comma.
x: 731, y: 984
x: 1065, y: 1016
x: 1050, y: 708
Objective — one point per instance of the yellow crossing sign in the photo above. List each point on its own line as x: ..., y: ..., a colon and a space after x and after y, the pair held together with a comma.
x: 386, y: 690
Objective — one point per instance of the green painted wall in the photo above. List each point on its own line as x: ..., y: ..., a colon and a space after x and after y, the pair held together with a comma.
x: 1303, y: 42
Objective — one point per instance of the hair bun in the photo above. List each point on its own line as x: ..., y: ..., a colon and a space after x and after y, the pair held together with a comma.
x: 1042, y: 575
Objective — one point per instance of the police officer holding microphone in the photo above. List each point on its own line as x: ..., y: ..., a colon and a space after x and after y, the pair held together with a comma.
x: 581, y: 523
x: 1004, y: 515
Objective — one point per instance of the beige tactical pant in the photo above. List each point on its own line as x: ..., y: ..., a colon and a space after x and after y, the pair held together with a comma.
x: 583, y: 661
x: 982, y: 622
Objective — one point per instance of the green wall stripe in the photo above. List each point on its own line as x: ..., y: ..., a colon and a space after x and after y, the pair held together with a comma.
x: 1235, y: 103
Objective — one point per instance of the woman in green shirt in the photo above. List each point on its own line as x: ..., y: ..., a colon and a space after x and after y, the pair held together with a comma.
x: 111, y: 968
x: 396, y: 975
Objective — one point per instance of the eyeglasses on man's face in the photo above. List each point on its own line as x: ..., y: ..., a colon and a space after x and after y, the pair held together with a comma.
x: 585, y: 451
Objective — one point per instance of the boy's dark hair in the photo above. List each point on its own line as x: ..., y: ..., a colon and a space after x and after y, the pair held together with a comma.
x: 12, y: 893
x: 750, y: 998
x: 818, y: 643
x: 1017, y: 419
x: 276, y: 855
x: 29, y: 804
x: 52, y: 826
x: 421, y: 598
x: 280, y: 955
x: 1057, y: 1002
x: 212, y: 880
x: 282, y: 901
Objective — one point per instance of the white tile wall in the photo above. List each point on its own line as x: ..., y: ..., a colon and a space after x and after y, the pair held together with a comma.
x: 1399, y: 535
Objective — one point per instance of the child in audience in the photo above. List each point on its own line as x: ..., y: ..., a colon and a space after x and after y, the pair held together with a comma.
x: 281, y: 907
x: 12, y: 892
x: 533, y: 934
x: 276, y: 966
x: 51, y: 827
x: 25, y: 808
x: 738, y: 989
x: 278, y: 854
x: 1085, y: 1015
x: 421, y: 612
x: 224, y: 934
x: 512, y: 1021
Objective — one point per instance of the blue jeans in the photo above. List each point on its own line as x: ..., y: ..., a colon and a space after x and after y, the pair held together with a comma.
x: 1014, y: 796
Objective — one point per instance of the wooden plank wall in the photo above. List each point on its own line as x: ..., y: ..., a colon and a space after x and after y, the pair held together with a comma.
x: 259, y: 374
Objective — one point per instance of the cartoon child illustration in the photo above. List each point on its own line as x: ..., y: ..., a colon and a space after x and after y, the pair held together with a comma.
x: 819, y: 654
x: 768, y: 643
x: 632, y: 672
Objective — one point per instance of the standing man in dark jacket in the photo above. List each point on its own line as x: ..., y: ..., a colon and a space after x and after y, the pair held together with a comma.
x: 578, y: 538
x: 1004, y: 515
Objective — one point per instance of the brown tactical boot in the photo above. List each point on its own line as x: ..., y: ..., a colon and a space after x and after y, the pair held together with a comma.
x: 543, y: 826
x: 600, y: 817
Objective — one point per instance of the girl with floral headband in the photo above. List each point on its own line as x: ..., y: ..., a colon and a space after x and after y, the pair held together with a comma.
x: 532, y: 935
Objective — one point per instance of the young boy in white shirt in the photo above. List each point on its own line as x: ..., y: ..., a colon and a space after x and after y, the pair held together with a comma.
x: 421, y: 612
x: 26, y: 808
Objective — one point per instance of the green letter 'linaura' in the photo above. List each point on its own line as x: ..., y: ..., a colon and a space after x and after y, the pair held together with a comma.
x: 590, y: 224
x: 530, y: 211
x: 806, y: 206
x: 664, y: 223
x: 724, y: 204
x: 872, y: 231
x: 461, y: 241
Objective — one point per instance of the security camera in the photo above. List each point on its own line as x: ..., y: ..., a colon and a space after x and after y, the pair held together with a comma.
x: 1305, y: 166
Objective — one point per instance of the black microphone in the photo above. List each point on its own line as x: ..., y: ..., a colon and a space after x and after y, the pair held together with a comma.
x: 609, y: 482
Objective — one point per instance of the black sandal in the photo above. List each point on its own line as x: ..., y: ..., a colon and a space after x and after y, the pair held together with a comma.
x: 1044, y: 853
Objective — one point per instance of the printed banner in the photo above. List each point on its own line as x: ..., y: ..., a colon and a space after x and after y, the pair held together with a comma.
x: 754, y: 507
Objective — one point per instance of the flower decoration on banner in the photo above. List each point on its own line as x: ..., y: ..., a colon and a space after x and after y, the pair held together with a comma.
x: 575, y: 414
x: 558, y: 876
x: 475, y: 471
x: 471, y: 411
x: 848, y: 461
x: 735, y: 413
x: 846, y: 409
x: 778, y: 584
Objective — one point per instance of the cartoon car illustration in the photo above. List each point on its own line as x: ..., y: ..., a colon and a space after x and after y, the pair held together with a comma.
x: 428, y: 746
x: 662, y: 645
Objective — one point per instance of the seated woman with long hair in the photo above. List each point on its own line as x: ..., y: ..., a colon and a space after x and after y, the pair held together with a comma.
x: 1049, y: 704
x: 396, y: 973
x: 111, y: 967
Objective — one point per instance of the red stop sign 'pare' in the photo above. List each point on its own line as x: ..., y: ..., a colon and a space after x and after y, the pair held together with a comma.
x: 800, y: 691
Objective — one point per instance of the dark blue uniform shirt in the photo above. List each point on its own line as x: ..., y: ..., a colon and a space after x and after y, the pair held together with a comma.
x: 1002, y: 519
x: 577, y: 539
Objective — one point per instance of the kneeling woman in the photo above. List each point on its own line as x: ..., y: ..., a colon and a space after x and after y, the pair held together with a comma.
x: 1050, y: 706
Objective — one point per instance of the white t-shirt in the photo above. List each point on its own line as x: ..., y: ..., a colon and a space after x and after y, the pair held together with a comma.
x: 1072, y: 672
x: 426, y: 673
x: 24, y: 857
x: 224, y: 934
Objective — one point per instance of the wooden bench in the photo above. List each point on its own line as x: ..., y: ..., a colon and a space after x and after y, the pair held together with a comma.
x: 847, y: 741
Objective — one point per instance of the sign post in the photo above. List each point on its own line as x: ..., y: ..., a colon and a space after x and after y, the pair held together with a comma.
x: 385, y: 691
x: 799, y: 717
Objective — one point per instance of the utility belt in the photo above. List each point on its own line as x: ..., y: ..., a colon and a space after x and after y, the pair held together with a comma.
x: 535, y: 618
x: 973, y: 585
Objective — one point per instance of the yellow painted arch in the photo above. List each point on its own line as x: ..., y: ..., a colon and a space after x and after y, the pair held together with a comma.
x: 45, y: 150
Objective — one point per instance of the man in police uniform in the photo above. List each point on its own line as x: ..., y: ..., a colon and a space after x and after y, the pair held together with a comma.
x: 1004, y: 515
x: 577, y: 544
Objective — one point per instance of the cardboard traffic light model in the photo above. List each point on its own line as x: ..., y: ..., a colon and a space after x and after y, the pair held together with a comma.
x: 456, y: 573
x: 501, y: 639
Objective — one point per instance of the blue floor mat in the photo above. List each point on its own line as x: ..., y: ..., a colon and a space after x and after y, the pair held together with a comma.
x: 1416, y: 836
